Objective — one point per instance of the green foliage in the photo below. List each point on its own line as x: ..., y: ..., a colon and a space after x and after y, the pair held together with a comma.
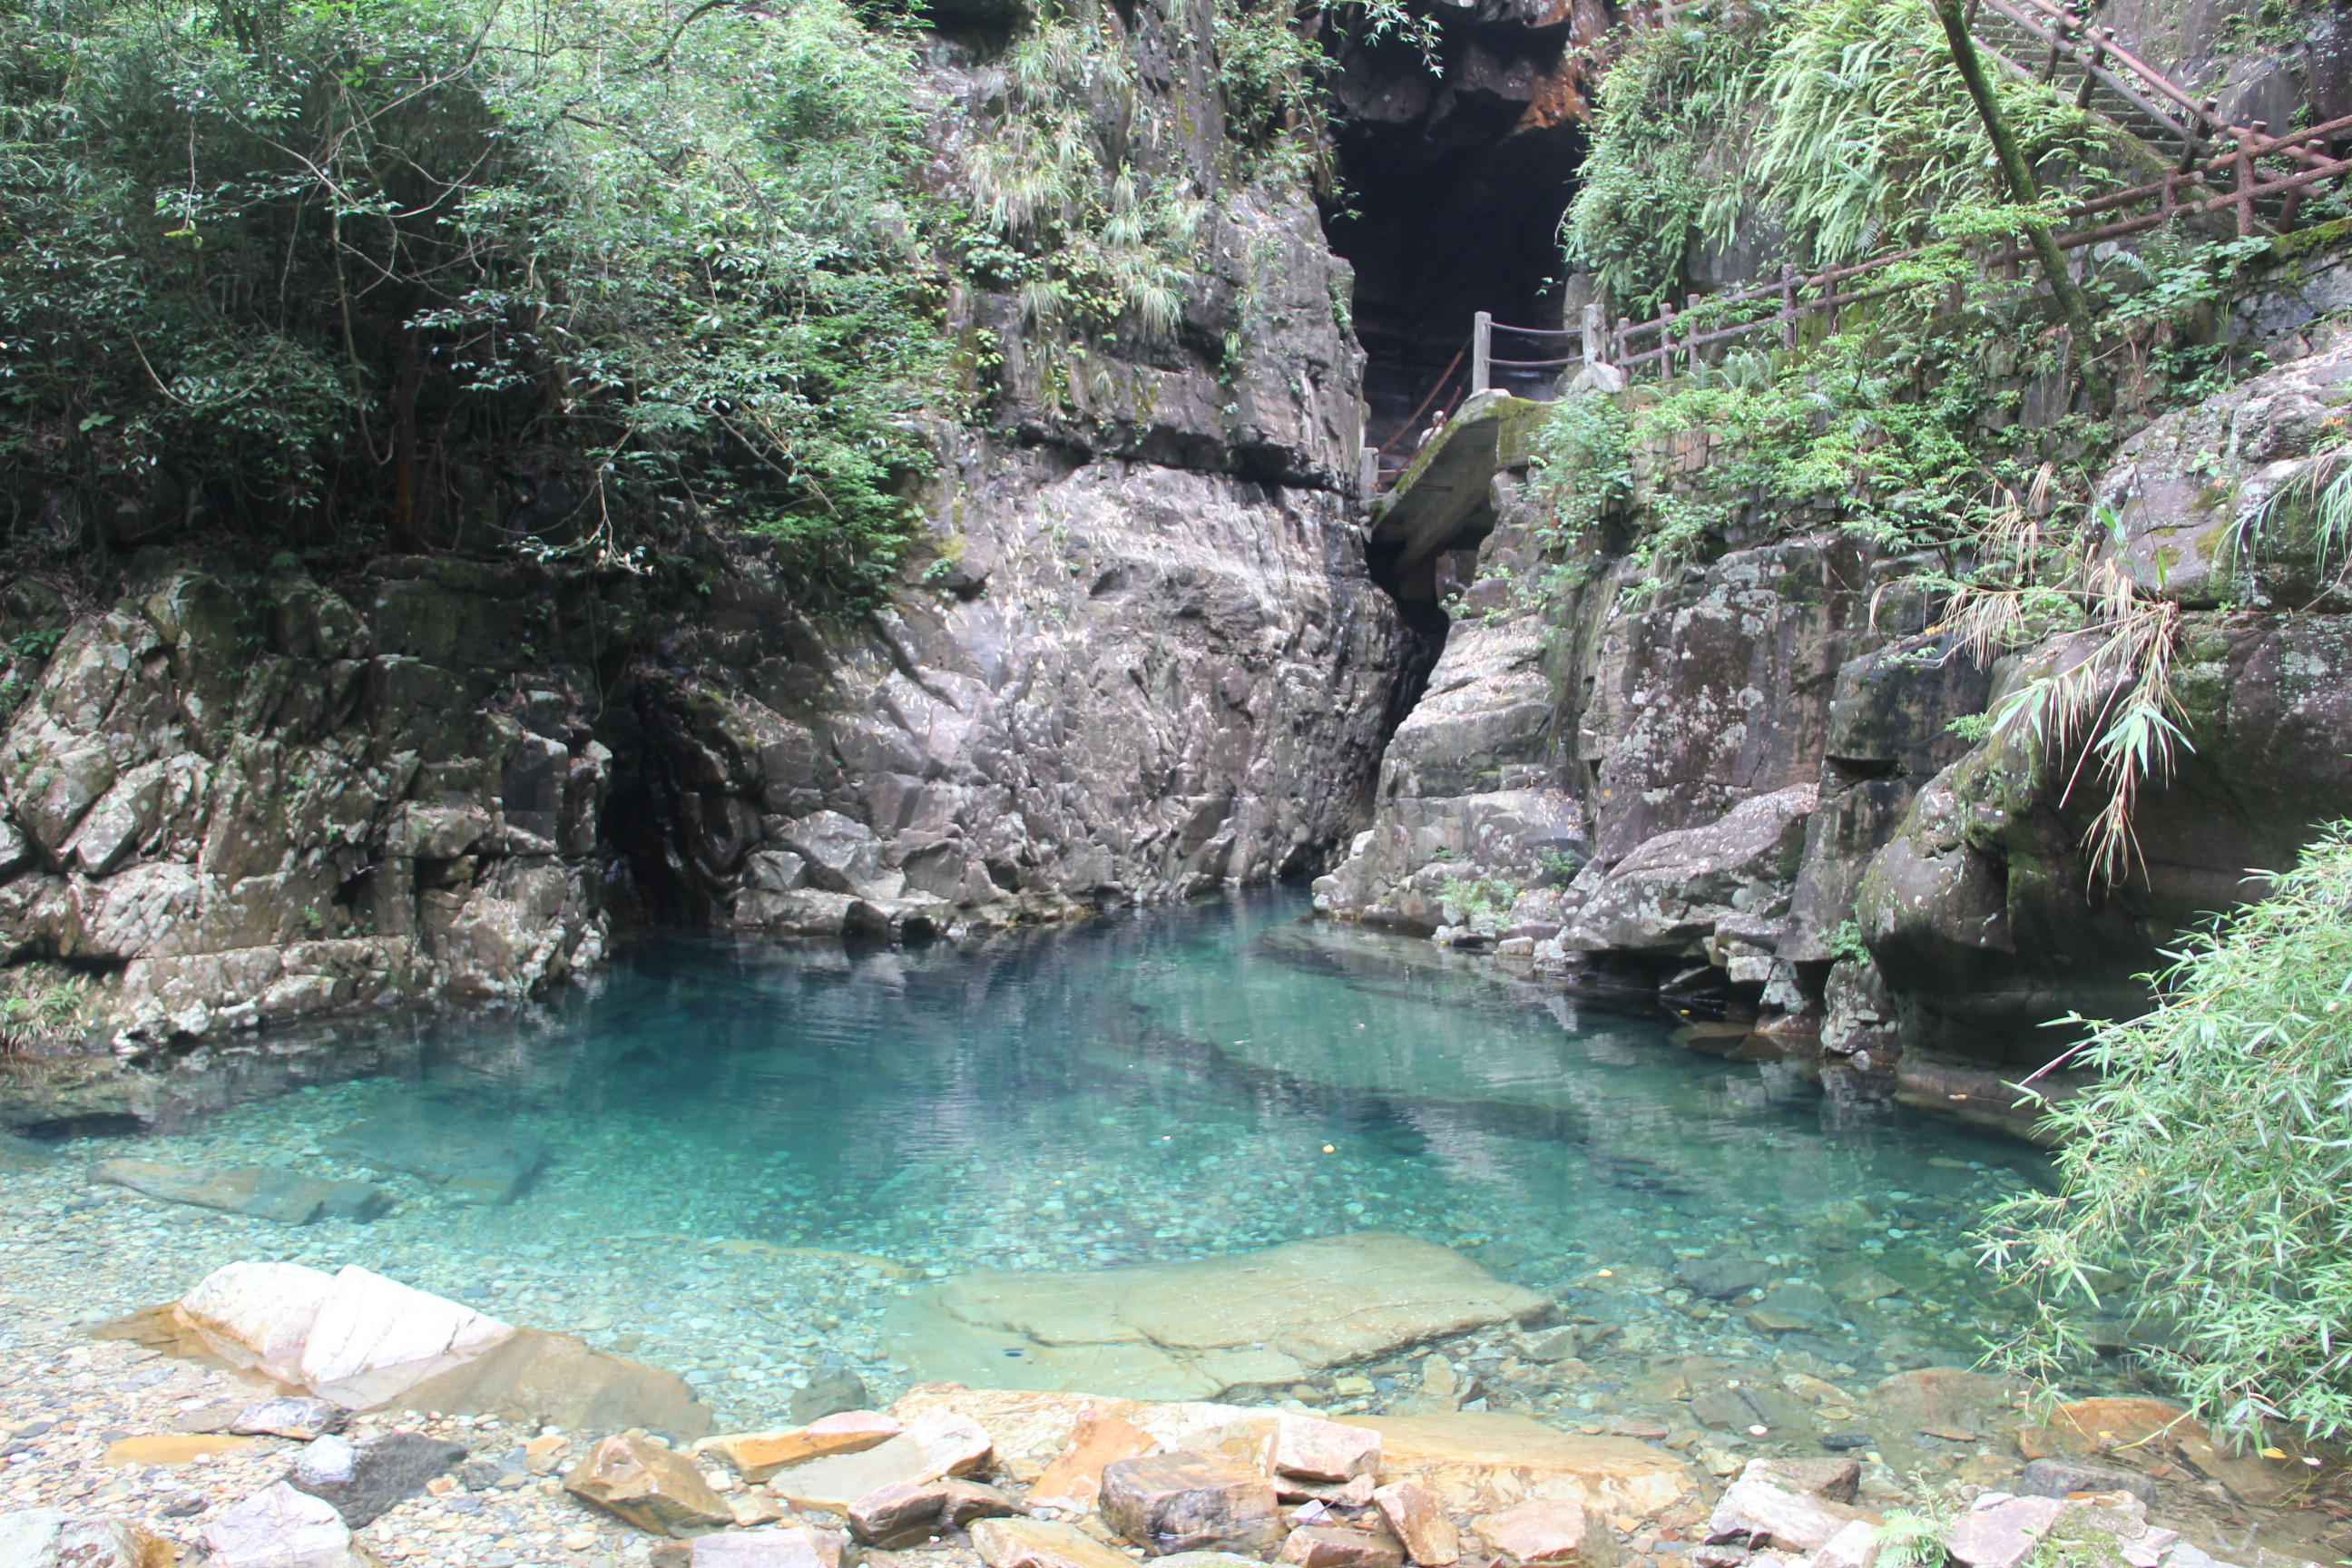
x: 312, y: 265
x: 1654, y: 175
x: 1490, y: 896
x: 1844, y: 121
x: 1076, y: 211
x: 2320, y: 498
x: 1846, y: 944
x: 1972, y: 728
x: 1271, y: 65
x: 2208, y: 1166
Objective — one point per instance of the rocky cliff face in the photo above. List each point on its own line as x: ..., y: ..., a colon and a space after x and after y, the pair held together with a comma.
x: 1753, y: 761
x: 1136, y: 656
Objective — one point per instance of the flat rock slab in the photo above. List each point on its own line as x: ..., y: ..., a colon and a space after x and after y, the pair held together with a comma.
x: 1035, y: 1426
x: 1037, y: 1543
x: 796, y: 1546
x: 932, y: 1447
x: 256, y: 1191
x: 756, y: 1455
x: 282, y: 1528
x: 1486, y: 1461
x: 479, y: 1161
x: 541, y: 1376
x: 1192, y: 1330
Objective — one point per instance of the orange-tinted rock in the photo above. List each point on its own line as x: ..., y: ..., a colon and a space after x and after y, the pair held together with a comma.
x: 1075, y: 1477
x: 652, y: 1487
x: 1548, y: 1531
x: 1191, y: 1503
x: 1333, y: 1546
x: 1419, y: 1521
x: 756, y: 1455
x: 2086, y: 1427
x: 1040, y: 1544
x: 1318, y: 1450
x: 1486, y: 1460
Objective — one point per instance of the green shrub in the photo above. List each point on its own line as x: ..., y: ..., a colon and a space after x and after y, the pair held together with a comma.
x: 2209, y: 1173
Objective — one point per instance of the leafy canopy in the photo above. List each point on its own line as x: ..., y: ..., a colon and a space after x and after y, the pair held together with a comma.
x: 372, y: 271
x: 1843, y: 124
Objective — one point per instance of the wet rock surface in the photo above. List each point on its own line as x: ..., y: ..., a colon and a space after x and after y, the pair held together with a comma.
x: 1194, y: 1330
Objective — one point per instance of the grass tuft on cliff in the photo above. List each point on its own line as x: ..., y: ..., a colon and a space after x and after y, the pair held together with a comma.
x: 2211, y: 1170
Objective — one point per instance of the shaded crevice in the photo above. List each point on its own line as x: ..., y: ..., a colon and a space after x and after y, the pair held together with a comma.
x: 1452, y: 190
x: 1453, y: 185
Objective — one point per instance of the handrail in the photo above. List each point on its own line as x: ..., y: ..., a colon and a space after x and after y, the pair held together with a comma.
x: 2178, y: 194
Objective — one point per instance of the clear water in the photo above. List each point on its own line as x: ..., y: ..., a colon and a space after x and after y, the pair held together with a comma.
x: 754, y: 1147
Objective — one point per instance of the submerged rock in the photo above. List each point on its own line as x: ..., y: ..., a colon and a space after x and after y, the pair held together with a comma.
x: 478, y: 1161
x: 19, y: 1155
x: 285, y: 1196
x: 829, y: 1390
x: 1193, y: 1329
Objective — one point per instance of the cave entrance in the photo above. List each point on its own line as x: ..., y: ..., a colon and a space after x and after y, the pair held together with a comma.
x: 1453, y: 187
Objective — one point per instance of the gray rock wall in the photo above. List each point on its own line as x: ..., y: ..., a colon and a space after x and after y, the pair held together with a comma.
x: 1136, y: 655
x: 245, y: 799
x: 1754, y: 760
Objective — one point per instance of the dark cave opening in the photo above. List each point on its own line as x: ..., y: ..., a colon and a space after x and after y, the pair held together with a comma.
x: 1451, y: 188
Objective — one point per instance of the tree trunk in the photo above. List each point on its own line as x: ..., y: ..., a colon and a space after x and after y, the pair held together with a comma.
x: 2025, y: 190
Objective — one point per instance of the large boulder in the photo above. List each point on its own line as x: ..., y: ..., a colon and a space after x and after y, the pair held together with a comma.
x: 2218, y: 502
x: 1984, y: 914
x: 352, y: 1337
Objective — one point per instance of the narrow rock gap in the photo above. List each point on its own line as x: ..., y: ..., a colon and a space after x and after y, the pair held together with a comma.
x: 1452, y: 184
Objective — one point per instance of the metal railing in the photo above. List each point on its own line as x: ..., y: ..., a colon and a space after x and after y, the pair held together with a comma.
x: 2231, y: 181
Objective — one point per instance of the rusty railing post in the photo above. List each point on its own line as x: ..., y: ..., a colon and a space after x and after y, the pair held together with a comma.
x: 2245, y: 202
x: 1666, y: 340
x: 1481, y: 350
x: 1690, y: 306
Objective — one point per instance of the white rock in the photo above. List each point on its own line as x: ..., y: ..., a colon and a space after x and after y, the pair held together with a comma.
x: 325, y: 1461
x: 50, y: 1538
x: 258, y: 1315
x: 375, y: 1338
x: 280, y: 1527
